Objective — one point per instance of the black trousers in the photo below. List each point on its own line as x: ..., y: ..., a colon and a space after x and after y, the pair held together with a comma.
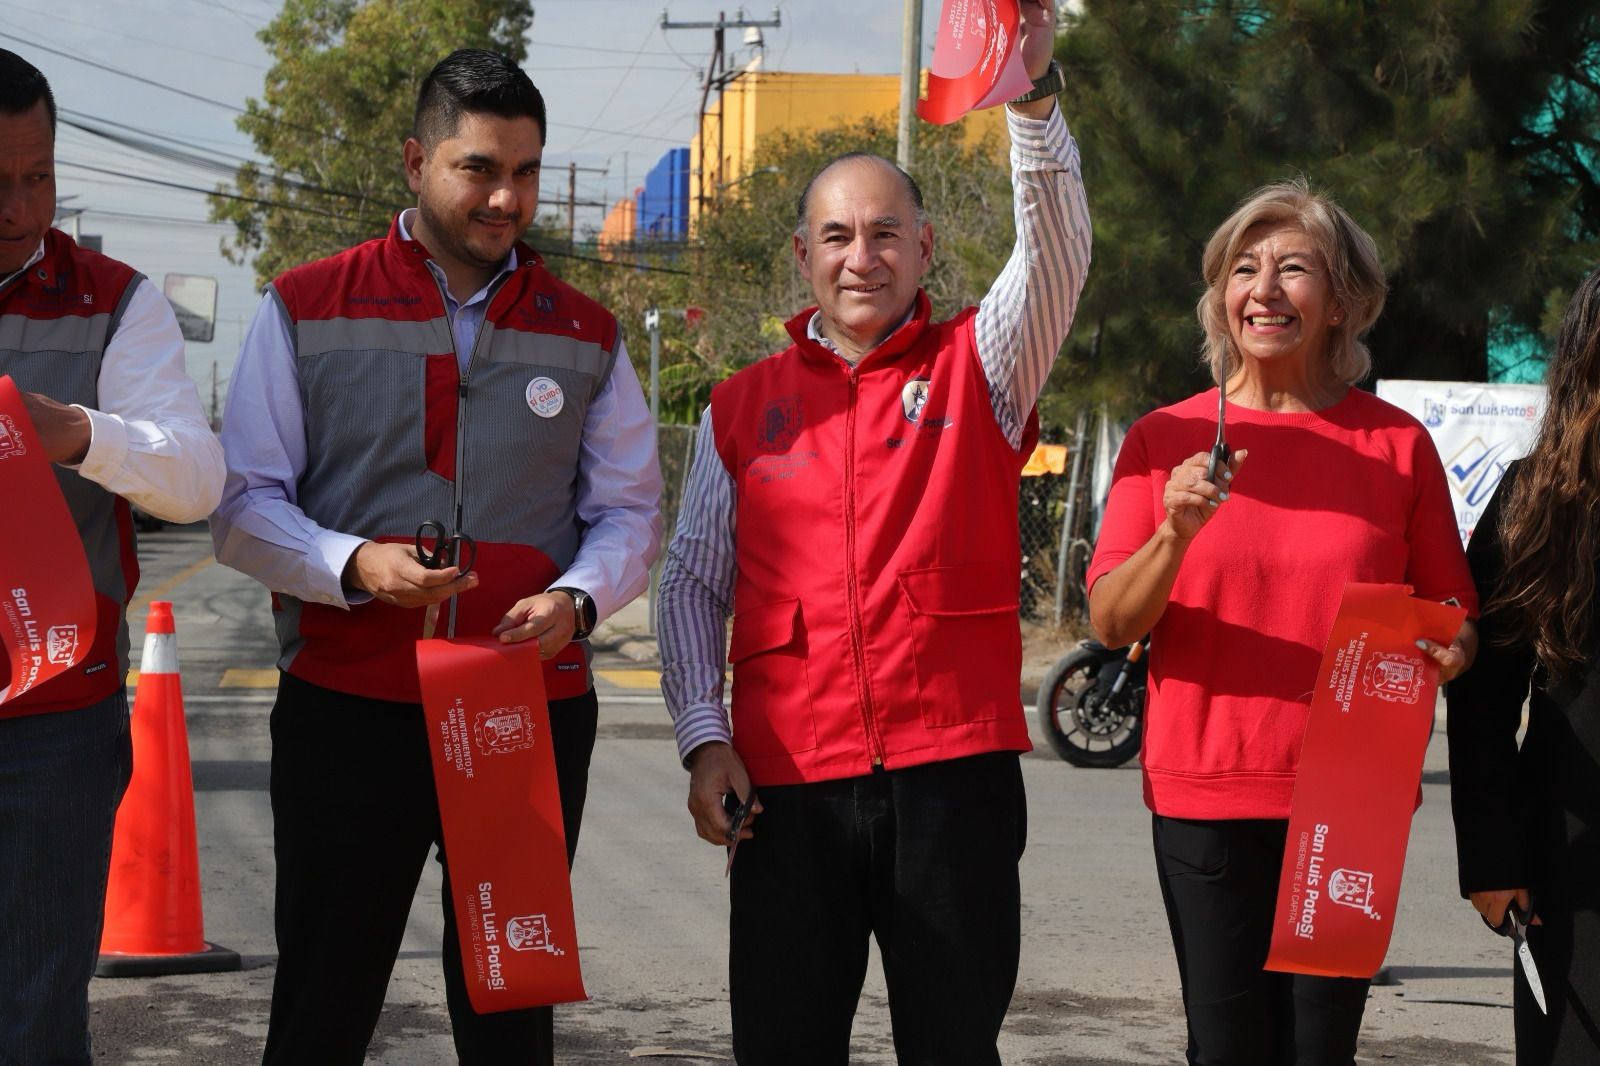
x: 923, y: 858
x: 354, y: 816
x: 1219, y: 881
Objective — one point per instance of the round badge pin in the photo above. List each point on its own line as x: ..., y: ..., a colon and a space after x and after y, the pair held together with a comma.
x: 545, y: 397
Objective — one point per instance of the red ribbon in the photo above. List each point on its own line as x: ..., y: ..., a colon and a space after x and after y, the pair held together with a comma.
x: 1356, y: 789
x: 977, y: 60
x: 47, y: 605
x: 489, y: 731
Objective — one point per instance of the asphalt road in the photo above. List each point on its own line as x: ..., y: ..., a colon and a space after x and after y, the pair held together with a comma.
x: 1097, y: 985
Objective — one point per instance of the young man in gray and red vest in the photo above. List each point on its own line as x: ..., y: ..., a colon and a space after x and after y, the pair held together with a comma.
x: 441, y: 373
x: 97, y: 353
x: 853, y: 505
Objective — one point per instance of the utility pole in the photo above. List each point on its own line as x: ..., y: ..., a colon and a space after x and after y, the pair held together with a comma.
x: 910, y: 81
x: 718, y: 76
x: 572, y: 198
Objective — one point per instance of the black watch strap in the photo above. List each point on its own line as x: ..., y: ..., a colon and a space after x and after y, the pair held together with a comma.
x: 1053, y: 81
x: 584, y: 610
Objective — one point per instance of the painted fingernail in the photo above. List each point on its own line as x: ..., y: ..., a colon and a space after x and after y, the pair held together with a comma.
x: 1212, y: 503
x: 1224, y: 494
x: 1228, y: 474
x: 1422, y: 644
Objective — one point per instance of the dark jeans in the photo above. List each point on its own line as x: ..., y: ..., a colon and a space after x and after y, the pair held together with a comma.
x: 1219, y: 881
x: 925, y: 859
x: 61, y: 778
x: 354, y: 816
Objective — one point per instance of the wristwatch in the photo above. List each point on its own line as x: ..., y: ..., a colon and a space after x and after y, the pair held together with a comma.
x: 1051, y: 83
x: 583, y: 610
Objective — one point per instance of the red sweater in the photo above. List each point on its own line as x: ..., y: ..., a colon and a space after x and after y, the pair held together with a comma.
x: 1351, y: 493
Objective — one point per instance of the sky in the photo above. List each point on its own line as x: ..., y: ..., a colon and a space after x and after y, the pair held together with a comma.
x: 620, y: 91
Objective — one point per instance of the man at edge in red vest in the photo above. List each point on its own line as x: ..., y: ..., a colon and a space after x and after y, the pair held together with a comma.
x: 97, y: 354
x: 438, y: 374
x: 853, y: 506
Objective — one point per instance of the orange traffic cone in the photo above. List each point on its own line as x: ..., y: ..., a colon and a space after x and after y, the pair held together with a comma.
x: 153, y: 922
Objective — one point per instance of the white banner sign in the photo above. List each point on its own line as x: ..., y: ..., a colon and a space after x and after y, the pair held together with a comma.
x: 1479, y: 429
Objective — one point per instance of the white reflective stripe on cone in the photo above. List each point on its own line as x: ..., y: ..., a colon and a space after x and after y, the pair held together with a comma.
x: 160, y: 654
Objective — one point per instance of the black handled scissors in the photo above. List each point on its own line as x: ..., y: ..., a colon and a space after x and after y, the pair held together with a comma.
x: 739, y: 814
x: 437, y: 548
x: 1515, y: 925
x: 1220, y: 452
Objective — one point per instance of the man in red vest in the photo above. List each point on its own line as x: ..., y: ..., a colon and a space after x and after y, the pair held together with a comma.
x: 98, y: 356
x: 853, y: 505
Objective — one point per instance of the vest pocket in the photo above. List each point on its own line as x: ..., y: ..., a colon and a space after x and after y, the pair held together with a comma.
x: 771, y: 691
x: 965, y: 639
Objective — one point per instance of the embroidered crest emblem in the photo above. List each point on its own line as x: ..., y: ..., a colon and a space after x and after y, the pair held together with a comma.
x: 545, y: 302
x: 545, y: 397
x: 913, y: 398
x: 780, y: 425
x: 1393, y: 677
x: 503, y: 730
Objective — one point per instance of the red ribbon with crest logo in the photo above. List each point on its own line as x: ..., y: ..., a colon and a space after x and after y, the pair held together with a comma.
x: 47, y: 605
x: 495, y: 772
x: 977, y: 60
x: 1356, y: 789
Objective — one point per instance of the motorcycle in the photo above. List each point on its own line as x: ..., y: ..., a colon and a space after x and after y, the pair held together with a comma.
x: 1091, y: 704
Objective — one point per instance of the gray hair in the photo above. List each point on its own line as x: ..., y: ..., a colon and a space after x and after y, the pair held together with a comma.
x: 912, y: 188
x: 1351, y: 255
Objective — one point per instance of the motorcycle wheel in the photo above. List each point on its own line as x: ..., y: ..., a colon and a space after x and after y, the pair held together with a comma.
x: 1081, y: 724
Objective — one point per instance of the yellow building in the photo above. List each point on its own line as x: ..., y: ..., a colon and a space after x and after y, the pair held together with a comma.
x: 618, y: 227
x: 761, y: 102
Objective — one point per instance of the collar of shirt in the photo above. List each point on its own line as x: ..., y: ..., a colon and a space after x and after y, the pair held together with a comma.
x: 38, y: 254
x: 814, y: 332
x: 466, y: 319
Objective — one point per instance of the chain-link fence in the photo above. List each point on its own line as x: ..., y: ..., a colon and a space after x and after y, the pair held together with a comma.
x: 1043, y: 520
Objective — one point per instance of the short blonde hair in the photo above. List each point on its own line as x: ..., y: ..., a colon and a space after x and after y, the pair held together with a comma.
x: 1351, y: 255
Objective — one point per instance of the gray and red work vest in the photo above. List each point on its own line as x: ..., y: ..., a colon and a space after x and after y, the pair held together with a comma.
x: 56, y: 319
x: 878, y: 557
x: 397, y: 435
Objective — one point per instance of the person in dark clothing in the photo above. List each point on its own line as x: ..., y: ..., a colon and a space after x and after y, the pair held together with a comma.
x: 1526, y: 818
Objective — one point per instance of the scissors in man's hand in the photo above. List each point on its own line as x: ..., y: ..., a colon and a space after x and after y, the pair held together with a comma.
x: 1220, y: 452
x: 1515, y: 925
x: 738, y: 814
x: 437, y: 548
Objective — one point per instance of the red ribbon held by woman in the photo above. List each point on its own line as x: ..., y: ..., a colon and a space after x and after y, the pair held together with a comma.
x: 47, y: 605
x: 977, y: 60
x: 489, y: 731
x: 1356, y: 789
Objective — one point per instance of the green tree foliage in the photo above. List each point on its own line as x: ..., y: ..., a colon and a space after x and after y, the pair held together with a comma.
x: 1461, y: 136
x: 741, y: 267
x: 334, y: 113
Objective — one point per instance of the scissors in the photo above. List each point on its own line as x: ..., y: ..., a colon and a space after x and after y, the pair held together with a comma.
x: 437, y: 548
x: 1515, y: 925
x: 741, y: 814
x: 1220, y: 452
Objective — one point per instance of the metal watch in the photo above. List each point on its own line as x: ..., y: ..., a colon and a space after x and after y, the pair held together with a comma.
x: 1053, y: 81
x: 583, y: 611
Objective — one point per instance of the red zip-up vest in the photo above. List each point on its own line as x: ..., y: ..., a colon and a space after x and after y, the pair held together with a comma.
x: 396, y: 435
x: 878, y: 556
x: 56, y: 319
